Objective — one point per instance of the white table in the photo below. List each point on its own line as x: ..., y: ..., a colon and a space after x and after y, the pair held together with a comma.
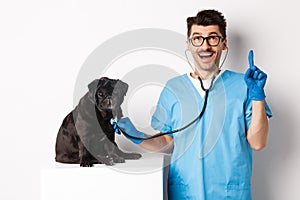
x: 135, y: 179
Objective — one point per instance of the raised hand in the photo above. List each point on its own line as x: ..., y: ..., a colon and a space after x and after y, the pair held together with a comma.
x: 255, y: 80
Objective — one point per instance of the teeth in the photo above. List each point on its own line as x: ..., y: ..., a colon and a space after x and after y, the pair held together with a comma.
x: 205, y: 54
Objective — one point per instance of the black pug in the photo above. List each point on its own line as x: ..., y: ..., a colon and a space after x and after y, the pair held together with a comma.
x: 86, y: 136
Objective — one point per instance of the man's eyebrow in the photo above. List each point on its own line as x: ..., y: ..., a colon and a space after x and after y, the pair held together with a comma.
x: 211, y: 33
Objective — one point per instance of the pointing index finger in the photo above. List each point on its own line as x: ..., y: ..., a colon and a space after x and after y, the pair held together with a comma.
x: 251, y: 60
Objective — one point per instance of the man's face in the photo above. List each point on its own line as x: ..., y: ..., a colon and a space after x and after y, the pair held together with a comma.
x: 206, y: 57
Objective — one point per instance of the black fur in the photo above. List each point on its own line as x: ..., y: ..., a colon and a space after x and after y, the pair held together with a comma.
x: 86, y: 136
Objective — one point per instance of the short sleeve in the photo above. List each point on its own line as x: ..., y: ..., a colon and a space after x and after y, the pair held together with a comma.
x: 161, y: 118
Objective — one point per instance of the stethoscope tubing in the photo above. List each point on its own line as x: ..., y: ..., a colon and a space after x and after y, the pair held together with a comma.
x: 170, y: 132
x: 192, y: 122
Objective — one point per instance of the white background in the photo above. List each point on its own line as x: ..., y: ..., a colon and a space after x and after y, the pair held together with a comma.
x: 44, y: 43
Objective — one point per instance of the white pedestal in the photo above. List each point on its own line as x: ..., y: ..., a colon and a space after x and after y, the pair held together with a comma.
x: 135, y: 179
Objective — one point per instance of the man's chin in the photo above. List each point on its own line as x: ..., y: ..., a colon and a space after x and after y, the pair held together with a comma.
x: 207, y: 68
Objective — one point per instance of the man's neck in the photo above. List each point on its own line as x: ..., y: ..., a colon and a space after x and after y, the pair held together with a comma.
x: 203, y: 74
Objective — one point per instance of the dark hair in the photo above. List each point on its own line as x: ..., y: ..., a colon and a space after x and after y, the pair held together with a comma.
x: 206, y: 18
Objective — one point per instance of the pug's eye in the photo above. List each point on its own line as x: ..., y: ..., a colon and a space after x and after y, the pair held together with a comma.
x: 100, y: 94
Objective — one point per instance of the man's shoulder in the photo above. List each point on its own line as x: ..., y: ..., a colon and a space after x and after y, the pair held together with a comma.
x: 178, y: 84
x: 232, y: 75
x: 177, y: 80
x: 178, y: 77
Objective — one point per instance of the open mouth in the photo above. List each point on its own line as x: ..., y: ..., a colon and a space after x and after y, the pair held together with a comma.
x: 206, y: 55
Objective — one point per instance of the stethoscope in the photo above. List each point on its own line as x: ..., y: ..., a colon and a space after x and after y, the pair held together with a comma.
x: 118, y: 129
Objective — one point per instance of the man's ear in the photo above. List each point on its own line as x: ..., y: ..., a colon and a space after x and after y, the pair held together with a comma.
x: 188, y: 44
x: 225, y: 45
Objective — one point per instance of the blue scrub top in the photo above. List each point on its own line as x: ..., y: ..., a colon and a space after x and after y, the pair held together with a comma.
x: 212, y: 159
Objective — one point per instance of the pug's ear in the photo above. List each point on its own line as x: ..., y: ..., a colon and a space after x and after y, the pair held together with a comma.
x: 93, y: 85
x: 123, y: 86
x: 92, y: 89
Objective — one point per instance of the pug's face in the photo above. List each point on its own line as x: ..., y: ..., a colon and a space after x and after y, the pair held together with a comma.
x: 107, y: 94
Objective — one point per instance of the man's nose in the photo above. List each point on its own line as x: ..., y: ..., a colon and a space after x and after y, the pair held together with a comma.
x: 205, y: 45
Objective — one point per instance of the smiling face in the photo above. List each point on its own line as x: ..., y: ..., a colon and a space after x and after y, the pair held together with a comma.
x: 206, y: 57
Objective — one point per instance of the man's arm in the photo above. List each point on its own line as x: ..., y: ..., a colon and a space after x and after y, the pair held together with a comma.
x: 158, y: 144
x: 258, y: 129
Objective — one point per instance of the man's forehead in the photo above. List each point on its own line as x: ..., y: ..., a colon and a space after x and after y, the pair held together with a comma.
x: 200, y: 29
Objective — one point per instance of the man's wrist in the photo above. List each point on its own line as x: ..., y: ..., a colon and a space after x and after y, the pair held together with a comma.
x: 257, y: 95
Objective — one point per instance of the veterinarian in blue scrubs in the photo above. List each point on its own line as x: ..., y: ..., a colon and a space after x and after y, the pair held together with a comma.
x: 211, y: 159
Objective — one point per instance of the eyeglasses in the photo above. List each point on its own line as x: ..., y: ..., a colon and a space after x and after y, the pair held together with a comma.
x: 212, y: 40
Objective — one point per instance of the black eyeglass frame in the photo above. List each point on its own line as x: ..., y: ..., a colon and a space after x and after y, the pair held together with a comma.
x: 207, y: 40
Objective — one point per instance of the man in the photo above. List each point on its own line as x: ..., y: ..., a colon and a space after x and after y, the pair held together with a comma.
x: 212, y: 158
